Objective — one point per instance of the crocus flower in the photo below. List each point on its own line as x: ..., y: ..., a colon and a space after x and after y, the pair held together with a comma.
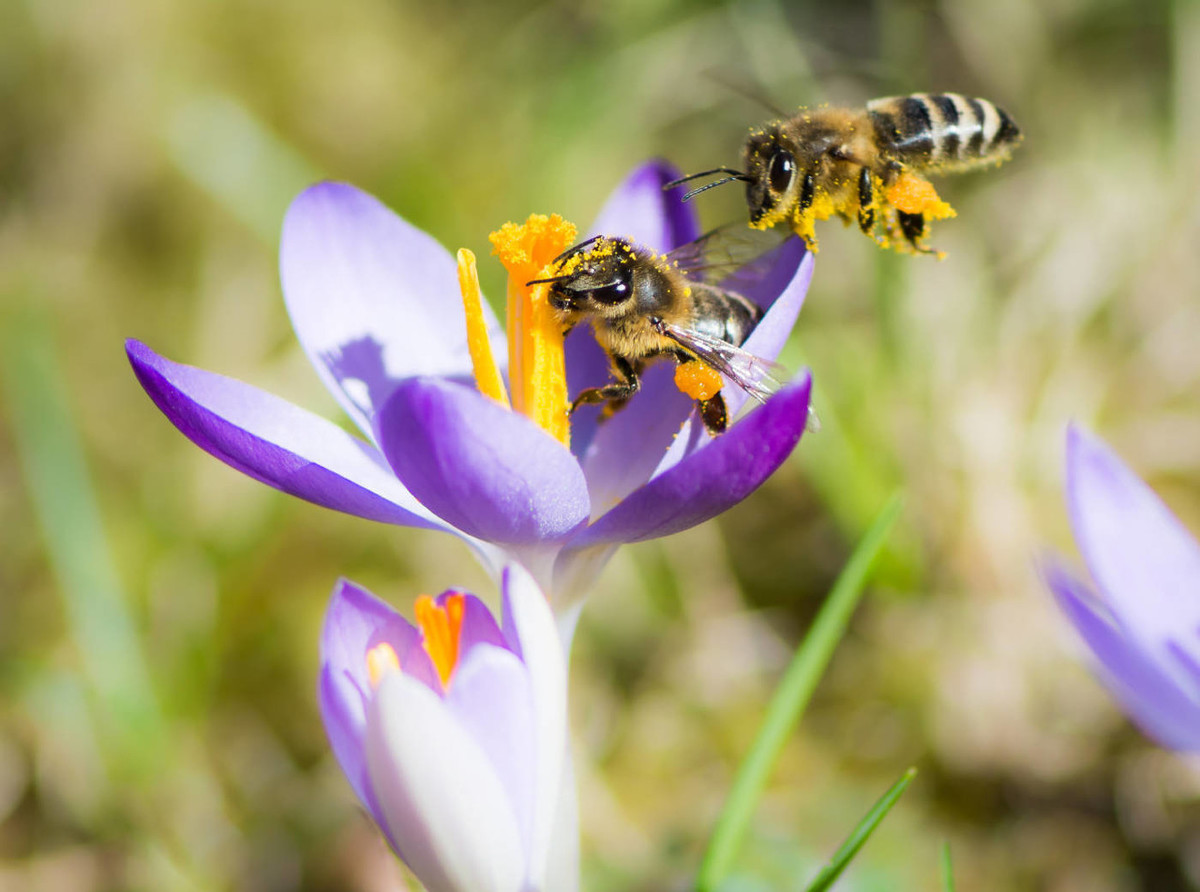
x: 376, y: 304
x: 1142, y: 618
x: 453, y: 734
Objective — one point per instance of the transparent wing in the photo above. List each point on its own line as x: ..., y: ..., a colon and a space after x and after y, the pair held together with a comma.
x: 757, y: 376
x: 729, y: 249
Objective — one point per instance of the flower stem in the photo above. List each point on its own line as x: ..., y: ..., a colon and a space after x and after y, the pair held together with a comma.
x: 791, y: 698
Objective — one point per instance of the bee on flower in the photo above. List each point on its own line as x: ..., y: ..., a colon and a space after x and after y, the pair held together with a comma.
x: 466, y: 430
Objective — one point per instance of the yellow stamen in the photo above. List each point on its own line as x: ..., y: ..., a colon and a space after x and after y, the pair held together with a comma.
x: 697, y: 380
x: 440, y: 628
x: 487, y: 373
x: 381, y: 660
x: 536, y: 370
x: 912, y: 194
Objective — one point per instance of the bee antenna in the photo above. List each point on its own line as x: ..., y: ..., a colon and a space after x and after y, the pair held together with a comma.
x: 714, y: 184
x: 736, y: 174
x: 551, y: 279
x: 575, y: 249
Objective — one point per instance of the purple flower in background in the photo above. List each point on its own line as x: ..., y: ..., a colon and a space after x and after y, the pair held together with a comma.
x: 375, y: 303
x: 1143, y: 620
x: 453, y: 734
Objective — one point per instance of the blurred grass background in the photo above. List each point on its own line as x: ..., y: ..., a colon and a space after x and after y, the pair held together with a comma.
x: 158, y: 729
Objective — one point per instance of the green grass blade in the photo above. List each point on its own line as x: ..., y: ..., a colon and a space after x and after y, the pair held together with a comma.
x: 947, y: 869
x: 791, y: 698
x: 858, y: 838
x: 97, y: 608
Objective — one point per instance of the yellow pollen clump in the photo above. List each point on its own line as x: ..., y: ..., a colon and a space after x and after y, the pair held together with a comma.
x: 381, y: 659
x: 441, y: 626
x: 536, y: 370
x: 912, y: 194
x: 697, y: 380
x: 487, y: 373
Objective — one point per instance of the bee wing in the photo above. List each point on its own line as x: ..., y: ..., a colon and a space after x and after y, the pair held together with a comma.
x: 726, y: 250
x: 757, y: 376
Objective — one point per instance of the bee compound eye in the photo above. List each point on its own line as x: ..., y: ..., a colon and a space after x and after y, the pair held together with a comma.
x: 613, y: 293
x: 783, y: 170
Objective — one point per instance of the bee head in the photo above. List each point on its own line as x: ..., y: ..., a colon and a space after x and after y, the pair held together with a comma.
x: 773, y: 172
x: 595, y: 276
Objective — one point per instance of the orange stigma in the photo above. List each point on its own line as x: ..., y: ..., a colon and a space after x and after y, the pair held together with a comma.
x: 536, y: 369
x: 441, y: 626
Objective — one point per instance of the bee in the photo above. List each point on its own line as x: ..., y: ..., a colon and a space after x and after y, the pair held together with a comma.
x: 644, y: 306
x: 867, y: 165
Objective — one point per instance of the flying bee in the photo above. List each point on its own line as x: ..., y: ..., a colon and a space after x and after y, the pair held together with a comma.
x: 644, y: 306
x: 867, y: 165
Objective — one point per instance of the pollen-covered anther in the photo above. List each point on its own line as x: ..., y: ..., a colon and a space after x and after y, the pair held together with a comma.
x: 487, y: 372
x: 381, y: 659
x: 441, y: 627
x: 697, y: 380
x: 911, y: 194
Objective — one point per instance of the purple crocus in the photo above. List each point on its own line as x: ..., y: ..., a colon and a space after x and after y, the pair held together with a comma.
x: 453, y: 734
x: 375, y: 303
x: 1142, y: 620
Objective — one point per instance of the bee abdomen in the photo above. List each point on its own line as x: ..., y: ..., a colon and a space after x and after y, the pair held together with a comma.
x: 943, y: 129
x: 722, y: 314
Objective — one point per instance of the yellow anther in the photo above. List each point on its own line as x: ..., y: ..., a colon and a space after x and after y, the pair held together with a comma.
x: 440, y: 627
x: 536, y: 370
x: 487, y: 373
x: 381, y: 659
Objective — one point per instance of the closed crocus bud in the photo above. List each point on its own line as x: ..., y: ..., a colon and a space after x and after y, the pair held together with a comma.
x: 453, y: 734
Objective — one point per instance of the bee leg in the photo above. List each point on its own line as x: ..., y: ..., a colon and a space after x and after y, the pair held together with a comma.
x: 712, y: 412
x: 866, y: 201
x: 614, y: 395
x: 913, y: 227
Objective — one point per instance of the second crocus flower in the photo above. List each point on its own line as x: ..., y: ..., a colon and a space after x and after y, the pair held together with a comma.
x: 453, y: 734
x: 1140, y: 615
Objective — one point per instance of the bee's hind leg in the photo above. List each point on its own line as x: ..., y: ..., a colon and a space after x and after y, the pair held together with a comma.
x: 915, y: 228
x: 712, y: 412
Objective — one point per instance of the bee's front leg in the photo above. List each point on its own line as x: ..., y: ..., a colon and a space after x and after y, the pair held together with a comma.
x: 866, y: 201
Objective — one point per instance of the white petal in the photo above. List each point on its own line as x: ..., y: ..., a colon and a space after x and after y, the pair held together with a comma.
x: 443, y: 803
x: 542, y: 652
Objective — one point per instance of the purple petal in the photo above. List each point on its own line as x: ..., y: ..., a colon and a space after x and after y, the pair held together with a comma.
x: 373, y: 299
x: 630, y: 445
x: 712, y: 479
x: 491, y: 472
x: 1150, y: 696
x: 776, y: 326
x: 1145, y: 562
x: 764, y: 279
x: 478, y: 625
x: 491, y: 698
x: 354, y: 622
x: 275, y: 442
x: 640, y: 210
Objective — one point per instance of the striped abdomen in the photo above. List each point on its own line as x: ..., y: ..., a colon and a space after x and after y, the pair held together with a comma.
x: 943, y: 130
